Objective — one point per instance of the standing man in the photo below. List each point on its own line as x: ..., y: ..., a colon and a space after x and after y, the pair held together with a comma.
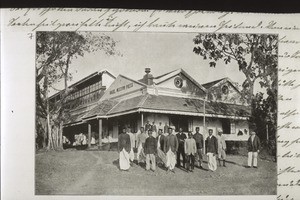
x: 253, y: 149
x: 199, y: 143
x: 211, y: 144
x: 190, y: 149
x: 141, y: 138
x: 160, y: 126
x: 154, y: 127
x: 181, y: 137
x: 171, y: 146
x: 148, y: 126
x: 132, y: 143
x: 150, y: 151
x: 221, y: 147
x: 166, y: 127
x: 124, y: 149
x: 160, y: 147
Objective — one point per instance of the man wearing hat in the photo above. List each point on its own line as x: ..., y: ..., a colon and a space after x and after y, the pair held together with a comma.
x: 171, y: 147
x: 253, y: 149
x: 221, y: 147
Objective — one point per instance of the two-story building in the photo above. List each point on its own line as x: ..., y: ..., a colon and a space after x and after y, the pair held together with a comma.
x: 172, y: 99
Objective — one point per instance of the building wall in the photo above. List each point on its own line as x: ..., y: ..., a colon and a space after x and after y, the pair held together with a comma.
x: 211, y: 123
x: 120, y: 87
x: 215, y: 93
x: 188, y: 87
x: 107, y: 80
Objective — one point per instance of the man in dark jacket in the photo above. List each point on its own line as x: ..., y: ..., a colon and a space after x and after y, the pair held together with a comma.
x: 199, y: 143
x: 150, y: 150
x: 253, y: 149
x: 160, y: 148
x: 171, y: 147
x: 124, y: 147
x: 181, y: 137
x: 211, y: 144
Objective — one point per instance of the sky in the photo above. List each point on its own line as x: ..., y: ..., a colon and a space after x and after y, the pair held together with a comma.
x: 162, y: 52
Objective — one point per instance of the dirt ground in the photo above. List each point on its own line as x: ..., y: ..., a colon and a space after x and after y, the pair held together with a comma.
x: 97, y: 173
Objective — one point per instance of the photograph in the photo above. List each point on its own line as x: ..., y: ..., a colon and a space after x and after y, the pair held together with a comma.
x: 155, y: 113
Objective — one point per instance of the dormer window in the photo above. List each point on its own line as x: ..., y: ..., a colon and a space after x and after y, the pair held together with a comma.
x: 225, y: 89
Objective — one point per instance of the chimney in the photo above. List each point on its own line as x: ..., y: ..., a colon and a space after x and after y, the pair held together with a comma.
x: 148, y: 78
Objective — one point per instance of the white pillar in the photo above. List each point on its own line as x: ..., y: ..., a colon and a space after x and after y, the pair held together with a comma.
x: 142, y: 119
x: 89, y: 134
x: 100, y: 133
x: 204, y: 126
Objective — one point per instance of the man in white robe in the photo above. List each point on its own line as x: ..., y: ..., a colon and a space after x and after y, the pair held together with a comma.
x: 132, y: 144
x: 124, y: 147
x: 171, y: 147
x: 160, y: 148
x: 141, y: 138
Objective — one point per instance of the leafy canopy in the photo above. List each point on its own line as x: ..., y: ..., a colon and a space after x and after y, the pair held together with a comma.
x: 255, y: 55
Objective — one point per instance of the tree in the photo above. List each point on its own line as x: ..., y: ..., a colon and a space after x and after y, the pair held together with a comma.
x: 255, y: 55
x: 55, y: 52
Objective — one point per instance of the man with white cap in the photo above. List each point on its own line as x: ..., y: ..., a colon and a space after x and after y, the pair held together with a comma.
x: 221, y: 147
x: 253, y: 149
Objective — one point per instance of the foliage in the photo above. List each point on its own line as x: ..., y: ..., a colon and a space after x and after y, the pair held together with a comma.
x: 256, y: 56
x: 54, y: 54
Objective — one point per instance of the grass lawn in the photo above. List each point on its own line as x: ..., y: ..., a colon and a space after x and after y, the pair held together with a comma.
x: 96, y: 173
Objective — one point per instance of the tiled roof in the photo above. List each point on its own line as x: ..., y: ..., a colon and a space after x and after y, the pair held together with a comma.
x: 173, y: 104
x: 101, y: 109
x: 163, y: 103
x: 219, y: 108
x: 179, y: 104
x: 169, y: 103
x: 128, y: 104
x: 74, y: 118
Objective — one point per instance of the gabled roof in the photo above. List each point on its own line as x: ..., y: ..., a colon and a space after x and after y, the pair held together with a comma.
x: 212, y: 83
x: 85, y: 79
x: 220, y: 81
x: 162, y: 78
x: 138, y: 82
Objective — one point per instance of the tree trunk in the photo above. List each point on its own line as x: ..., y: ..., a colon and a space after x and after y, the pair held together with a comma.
x: 61, y: 135
x: 49, y: 145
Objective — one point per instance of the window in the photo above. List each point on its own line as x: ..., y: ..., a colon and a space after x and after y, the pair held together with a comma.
x: 225, y: 89
x: 232, y: 127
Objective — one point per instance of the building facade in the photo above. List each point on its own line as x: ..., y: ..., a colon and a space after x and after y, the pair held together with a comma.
x: 172, y: 99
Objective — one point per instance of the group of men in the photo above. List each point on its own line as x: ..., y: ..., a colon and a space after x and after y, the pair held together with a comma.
x: 167, y: 149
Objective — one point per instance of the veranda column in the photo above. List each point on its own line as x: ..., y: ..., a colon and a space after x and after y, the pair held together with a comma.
x: 204, y: 126
x: 100, y: 133
x: 142, y: 119
x: 89, y: 134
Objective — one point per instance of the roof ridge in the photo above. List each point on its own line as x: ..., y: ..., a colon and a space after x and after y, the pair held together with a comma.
x: 143, y: 100
x: 113, y: 107
x: 136, y: 81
